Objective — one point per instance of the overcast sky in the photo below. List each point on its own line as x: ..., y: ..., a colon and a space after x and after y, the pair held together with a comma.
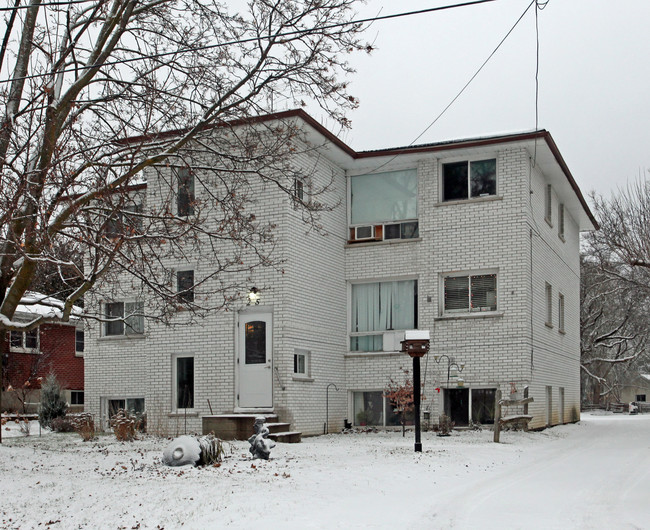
x: 593, y: 80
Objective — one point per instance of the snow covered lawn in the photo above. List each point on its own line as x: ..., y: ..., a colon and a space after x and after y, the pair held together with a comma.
x: 595, y: 474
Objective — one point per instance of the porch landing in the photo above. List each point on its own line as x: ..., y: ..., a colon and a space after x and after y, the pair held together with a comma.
x: 240, y: 427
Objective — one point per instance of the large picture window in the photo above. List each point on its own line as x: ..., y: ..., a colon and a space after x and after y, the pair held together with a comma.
x: 384, y: 197
x: 470, y: 293
x: 378, y: 307
x: 372, y: 408
x: 469, y: 179
x: 124, y: 318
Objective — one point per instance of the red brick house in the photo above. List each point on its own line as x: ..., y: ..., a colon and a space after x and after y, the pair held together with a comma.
x: 29, y: 356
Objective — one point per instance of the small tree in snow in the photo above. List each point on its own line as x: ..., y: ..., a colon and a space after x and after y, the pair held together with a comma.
x: 401, y: 397
x: 52, y: 403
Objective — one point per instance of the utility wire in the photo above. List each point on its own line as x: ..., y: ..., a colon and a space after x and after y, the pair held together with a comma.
x: 252, y: 39
x: 48, y: 4
x: 461, y: 90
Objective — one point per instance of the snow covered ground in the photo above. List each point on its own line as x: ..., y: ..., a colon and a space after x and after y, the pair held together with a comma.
x: 595, y: 474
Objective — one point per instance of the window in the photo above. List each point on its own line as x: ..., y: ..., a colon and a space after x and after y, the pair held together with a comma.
x: 128, y: 318
x: 184, y: 382
x: 640, y: 397
x: 560, y: 221
x: 483, y: 400
x: 548, y: 205
x: 79, y: 341
x: 463, y: 405
x: 560, y: 312
x: 298, y: 189
x: 469, y: 179
x: 372, y: 408
x: 132, y: 405
x: 407, y: 230
x: 470, y: 293
x: 185, y: 285
x: 76, y: 397
x: 185, y: 197
x: 378, y: 307
x: 135, y: 406
x: 549, y: 305
x: 301, y: 363
x: 384, y: 205
x: 24, y: 340
x: 125, y: 223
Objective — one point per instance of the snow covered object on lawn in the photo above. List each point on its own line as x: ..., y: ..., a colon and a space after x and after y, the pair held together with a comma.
x: 260, y: 444
x: 188, y: 450
x: 182, y: 451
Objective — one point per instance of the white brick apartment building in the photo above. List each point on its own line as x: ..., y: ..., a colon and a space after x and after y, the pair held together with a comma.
x: 476, y: 241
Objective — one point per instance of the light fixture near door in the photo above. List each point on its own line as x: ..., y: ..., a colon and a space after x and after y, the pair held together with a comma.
x: 254, y: 296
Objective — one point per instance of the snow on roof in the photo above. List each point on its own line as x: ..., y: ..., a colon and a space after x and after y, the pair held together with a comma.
x: 645, y: 376
x: 34, y: 304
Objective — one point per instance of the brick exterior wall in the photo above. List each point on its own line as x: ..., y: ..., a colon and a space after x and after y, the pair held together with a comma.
x: 56, y: 354
x: 309, y: 302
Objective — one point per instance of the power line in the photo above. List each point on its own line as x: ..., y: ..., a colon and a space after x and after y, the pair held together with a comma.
x: 250, y: 39
x: 48, y: 4
x: 461, y: 90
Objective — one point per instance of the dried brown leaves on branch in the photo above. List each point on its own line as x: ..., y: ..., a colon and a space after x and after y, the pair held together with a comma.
x: 77, y: 80
x: 401, y: 397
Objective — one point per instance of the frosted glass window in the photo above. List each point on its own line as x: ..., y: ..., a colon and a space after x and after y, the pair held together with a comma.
x: 384, y: 197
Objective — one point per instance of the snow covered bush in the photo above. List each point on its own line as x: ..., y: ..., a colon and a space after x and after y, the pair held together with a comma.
x: 52, y: 403
x: 445, y: 425
x: 124, y: 425
x: 63, y: 424
x: 85, y: 426
x: 24, y: 425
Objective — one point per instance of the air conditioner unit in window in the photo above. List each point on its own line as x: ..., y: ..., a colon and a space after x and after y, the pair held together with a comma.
x: 393, y: 340
x: 364, y: 232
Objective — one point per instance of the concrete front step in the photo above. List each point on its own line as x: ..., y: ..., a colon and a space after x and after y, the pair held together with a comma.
x: 288, y: 437
x: 278, y: 427
x: 240, y: 427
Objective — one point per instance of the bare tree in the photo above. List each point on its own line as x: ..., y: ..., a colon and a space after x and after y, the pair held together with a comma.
x: 90, y: 90
x: 616, y: 291
x: 96, y: 86
x: 624, y: 235
x: 615, y: 333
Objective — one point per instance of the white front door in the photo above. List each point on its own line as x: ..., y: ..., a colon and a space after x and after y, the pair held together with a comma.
x: 254, y: 358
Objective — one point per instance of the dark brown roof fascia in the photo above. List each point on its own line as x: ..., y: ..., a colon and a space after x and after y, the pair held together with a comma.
x: 425, y: 148
x: 463, y: 144
x: 558, y: 158
x: 287, y: 114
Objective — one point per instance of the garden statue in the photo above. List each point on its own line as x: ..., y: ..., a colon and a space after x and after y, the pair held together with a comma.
x: 261, y: 445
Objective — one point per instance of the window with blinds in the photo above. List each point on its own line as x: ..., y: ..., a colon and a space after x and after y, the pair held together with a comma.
x: 470, y: 293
